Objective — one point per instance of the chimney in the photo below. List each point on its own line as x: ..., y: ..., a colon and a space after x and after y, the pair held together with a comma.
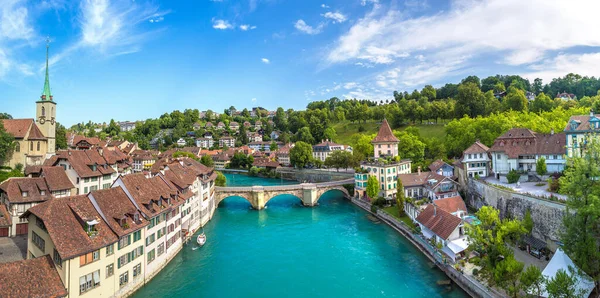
x: 591, y: 113
x: 419, y: 170
x: 552, y: 131
x: 434, y: 210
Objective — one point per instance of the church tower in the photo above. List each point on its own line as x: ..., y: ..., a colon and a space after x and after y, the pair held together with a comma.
x: 46, y: 111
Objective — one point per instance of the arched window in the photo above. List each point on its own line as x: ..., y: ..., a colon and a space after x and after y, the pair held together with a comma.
x: 18, y: 147
x: 43, y: 111
x: 38, y: 146
x: 31, y: 146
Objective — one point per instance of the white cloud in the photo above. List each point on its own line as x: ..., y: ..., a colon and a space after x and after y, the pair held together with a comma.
x: 324, y: 6
x: 303, y: 27
x: 350, y: 85
x: 246, y: 27
x: 563, y: 64
x: 253, y: 99
x: 337, y: 17
x: 14, y: 22
x: 265, y: 61
x: 221, y: 24
x: 364, y: 2
x: 472, y: 29
x: 156, y: 19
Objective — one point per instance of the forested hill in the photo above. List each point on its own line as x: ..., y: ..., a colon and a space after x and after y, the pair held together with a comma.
x: 431, y: 123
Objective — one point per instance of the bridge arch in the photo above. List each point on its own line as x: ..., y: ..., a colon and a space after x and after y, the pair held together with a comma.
x: 222, y: 196
x: 322, y: 191
x: 273, y: 197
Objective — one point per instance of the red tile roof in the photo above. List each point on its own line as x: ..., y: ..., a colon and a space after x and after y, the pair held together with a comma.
x: 451, y: 204
x: 65, y: 219
x: 438, y: 221
x: 116, y: 206
x: 436, y: 165
x: 147, y: 192
x: 31, y: 278
x: 385, y: 134
x: 56, y: 178
x: 520, y: 141
x: 477, y: 147
x: 15, y: 187
x: 19, y: 128
x: 83, y: 162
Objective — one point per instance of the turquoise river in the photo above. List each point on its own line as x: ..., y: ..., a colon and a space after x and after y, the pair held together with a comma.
x: 287, y: 250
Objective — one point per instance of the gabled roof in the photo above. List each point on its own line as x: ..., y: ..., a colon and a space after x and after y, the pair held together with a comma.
x: 56, y: 178
x: 477, y: 147
x: 82, y: 162
x: 115, y: 205
x: 438, y: 221
x: 385, y: 134
x: 146, y: 192
x: 65, y: 218
x: 519, y: 141
x: 451, y: 204
x: 436, y: 165
x: 31, y: 278
x: 583, y: 122
x: 19, y: 128
x: 16, y: 186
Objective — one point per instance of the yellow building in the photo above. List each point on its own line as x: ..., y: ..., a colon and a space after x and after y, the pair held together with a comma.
x: 35, y: 139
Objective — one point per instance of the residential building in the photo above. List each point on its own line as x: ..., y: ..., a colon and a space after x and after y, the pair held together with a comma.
x: 385, y: 143
x: 181, y: 142
x: 444, y: 228
x: 221, y: 125
x: 476, y: 160
x: 520, y: 148
x: 275, y: 135
x: 258, y: 124
x: 263, y: 146
x: 385, y: 166
x: 453, y: 205
x: 428, y: 185
x: 20, y: 194
x: 322, y: 150
x: 247, y: 124
x: 579, y: 130
x: 31, y: 278
x: 221, y: 160
x: 208, y: 125
x: 283, y: 155
x: 255, y: 137
x: 227, y: 141
x: 205, y: 142
x: 87, y: 169
x: 530, y: 96
x: 127, y: 125
x: 143, y: 160
x: 234, y: 126
x: 196, y: 126
x: 442, y: 168
x: 566, y: 96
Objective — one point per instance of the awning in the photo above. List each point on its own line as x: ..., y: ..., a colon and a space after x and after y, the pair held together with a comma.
x: 534, y: 242
x: 560, y: 260
x: 426, y: 232
x: 92, y: 222
x: 458, y: 245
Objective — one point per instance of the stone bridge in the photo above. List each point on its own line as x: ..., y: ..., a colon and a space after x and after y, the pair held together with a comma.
x: 258, y: 196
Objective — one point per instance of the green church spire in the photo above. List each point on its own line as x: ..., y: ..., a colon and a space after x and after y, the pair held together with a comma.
x: 46, y: 94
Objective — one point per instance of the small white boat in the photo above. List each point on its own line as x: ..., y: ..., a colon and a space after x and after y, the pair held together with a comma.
x: 201, y: 239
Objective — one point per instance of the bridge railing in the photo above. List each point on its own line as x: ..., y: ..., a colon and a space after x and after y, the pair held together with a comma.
x: 284, y: 187
x: 336, y: 183
x: 231, y: 188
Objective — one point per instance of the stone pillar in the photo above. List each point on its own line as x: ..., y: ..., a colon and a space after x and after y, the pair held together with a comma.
x: 258, y: 197
x: 309, y: 194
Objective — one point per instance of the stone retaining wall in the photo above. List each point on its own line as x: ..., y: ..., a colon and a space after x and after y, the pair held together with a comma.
x: 547, y: 215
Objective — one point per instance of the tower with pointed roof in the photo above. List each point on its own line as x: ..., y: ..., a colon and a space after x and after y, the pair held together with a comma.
x: 46, y: 111
x: 385, y: 143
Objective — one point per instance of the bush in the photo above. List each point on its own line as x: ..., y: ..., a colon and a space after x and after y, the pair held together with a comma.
x: 379, y: 202
x: 253, y: 172
x: 553, y: 184
x: 475, y: 260
x: 361, y: 128
x: 513, y: 176
x: 475, y: 272
x: 374, y: 208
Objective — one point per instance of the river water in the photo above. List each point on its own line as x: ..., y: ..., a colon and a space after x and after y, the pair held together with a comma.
x: 287, y: 250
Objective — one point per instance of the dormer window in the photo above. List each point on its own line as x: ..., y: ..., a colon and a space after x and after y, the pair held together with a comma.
x: 24, y: 194
x: 573, y: 125
x: 42, y: 192
x: 123, y: 223
x: 90, y: 227
x: 136, y: 217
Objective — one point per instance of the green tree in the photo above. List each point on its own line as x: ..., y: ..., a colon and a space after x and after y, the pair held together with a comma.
x: 113, y: 129
x: 410, y: 146
x: 301, y: 154
x: 253, y: 172
x: 542, y: 103
x: 563, y: 285
x: 528, y: 222
x: 469, y: 100
x: 499, y: 87
x: 507, y: 274
x: 513, y: 176
x: 372, y: 187
x: 7, y: 145
x: 532, y: 280
x: 540, y: 166
x: 361, y: 146
x: 273, y: 146
x: 515, y: 100
x: 330, y: 134
x: 207, y: 161
x: 537, y: 86
x: 400, y: 198
x: 304, y: 135
x: 221, y: 180
x: 581, y: 235
x: 340, y: 159
x: 61, y: 136
x: 428, y: 92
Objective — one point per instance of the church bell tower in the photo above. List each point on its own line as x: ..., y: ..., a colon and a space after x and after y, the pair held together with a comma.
x: 46, y: 111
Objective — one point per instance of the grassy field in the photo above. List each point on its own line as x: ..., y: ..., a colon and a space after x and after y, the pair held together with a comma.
x: 393, y: 211
x: 345, y: 130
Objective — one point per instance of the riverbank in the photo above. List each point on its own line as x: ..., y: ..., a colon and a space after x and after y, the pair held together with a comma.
x: 469, y: 285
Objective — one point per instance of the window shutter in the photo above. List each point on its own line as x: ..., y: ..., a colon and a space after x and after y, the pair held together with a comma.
x: 81, y: 260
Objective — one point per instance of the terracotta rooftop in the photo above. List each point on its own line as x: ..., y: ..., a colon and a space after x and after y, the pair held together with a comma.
x: 582, y: 122
x: 5, y: 218
x: 385, y: 134
x: 31, y: 278
x: 56, y: 178
x: 436, y: 165
x: 147, y: 192
x: 477, y: 147
x: 25, y: 190
x: 519, y: 141
x: 83, y: 162
x: 451, y: 204
x: 438, y: 221
x: 20, y: 127
x: 65, y: 219
x: 118, y: 210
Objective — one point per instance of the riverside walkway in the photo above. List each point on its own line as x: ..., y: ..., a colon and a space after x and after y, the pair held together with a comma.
x: 258, y: 196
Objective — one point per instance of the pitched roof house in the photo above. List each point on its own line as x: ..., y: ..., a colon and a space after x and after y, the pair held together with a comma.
x: 31, y: 278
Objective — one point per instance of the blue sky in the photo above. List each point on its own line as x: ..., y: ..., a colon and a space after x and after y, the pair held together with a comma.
x: 131, y: 60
